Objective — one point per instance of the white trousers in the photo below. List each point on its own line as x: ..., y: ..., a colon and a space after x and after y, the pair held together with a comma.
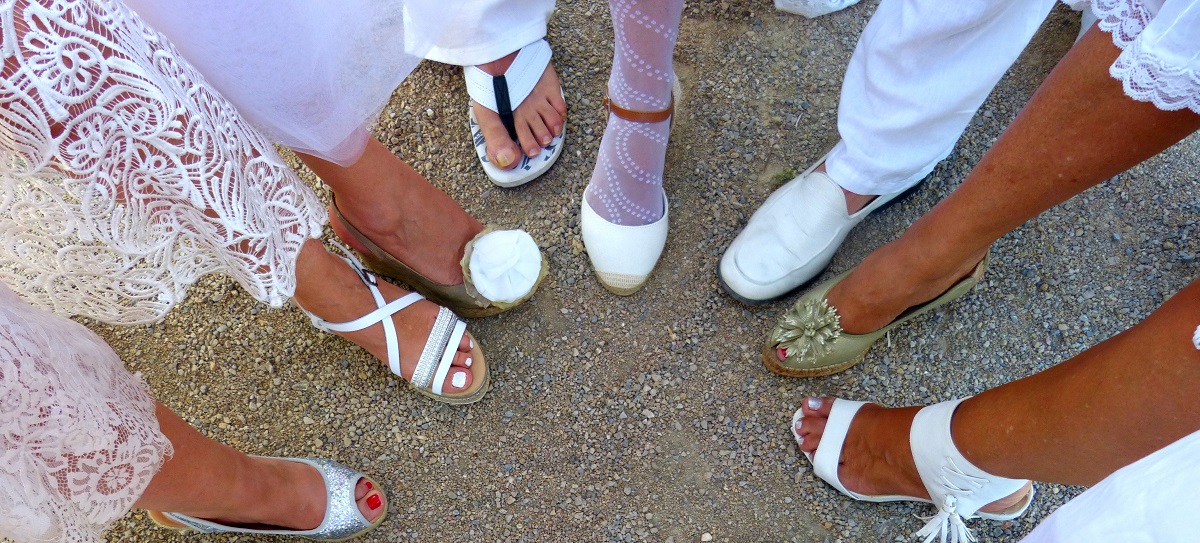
x: 1152, y: 500
x: 921, y: 70
x: 485, y: 30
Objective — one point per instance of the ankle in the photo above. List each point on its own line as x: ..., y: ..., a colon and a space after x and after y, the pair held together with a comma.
x: 500, y: 65
x: 326, y: 286
x: 649, y: 95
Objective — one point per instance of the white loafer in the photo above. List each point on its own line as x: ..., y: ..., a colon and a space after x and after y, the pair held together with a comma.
x: 623, y: 256
x: 791, y: 238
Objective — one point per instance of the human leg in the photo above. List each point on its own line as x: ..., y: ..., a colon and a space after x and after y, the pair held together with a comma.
x: 408, y: 229
x: 209, y: 480
x: 1057, y: 146
x: 1074, y: 423
x: 917, y: 76
x: 623, y: 214
x: 398, y: 209
x: 626, y: 184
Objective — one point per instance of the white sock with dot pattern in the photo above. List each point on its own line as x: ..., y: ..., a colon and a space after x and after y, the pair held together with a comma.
x: 626, y: 185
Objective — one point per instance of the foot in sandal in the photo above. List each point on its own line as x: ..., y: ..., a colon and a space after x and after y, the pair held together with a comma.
x: 518, y: 114
x: 867, y: 452
x: 423, y: 343
x: 312, y: 498
x: 408, y: 229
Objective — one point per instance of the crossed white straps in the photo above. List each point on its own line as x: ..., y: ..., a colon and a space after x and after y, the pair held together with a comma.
x: 440, y: 347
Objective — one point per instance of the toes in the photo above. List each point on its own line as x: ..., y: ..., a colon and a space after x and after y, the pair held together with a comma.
x: 371, y: 502
x: 525, y: 134
x: 502, y: 151
x: 459, y: 377
x: 362, y: 488
x: 811, y: 425
x: 815, y: 406
x: 466, y: 344
x: 542, y: 133
x: 538, y: 119
x: 808, y: 433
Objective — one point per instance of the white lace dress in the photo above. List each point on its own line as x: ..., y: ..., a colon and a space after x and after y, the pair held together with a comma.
x: 130, y: 166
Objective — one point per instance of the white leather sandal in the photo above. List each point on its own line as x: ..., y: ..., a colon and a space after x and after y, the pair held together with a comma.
x: 342, y: 519
x: 957, y: 487
x: 433, y: 366
x: 503, y: 94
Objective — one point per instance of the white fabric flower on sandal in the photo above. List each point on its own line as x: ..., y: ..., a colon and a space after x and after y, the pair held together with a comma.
x: 505, y: 265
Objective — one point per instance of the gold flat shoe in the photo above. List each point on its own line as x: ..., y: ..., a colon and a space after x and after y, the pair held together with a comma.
x: 811, y: 332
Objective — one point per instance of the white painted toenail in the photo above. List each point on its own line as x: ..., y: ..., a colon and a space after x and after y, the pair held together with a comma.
x: 814, y: 403
x: 799, y: 439
x: 472, y: 343
x: 459, y: 380
x: 1196, y: 338
x: 467, y: 363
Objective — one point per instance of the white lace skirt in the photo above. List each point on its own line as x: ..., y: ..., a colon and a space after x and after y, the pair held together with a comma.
x: 79, y: 441
x: 131, y: 165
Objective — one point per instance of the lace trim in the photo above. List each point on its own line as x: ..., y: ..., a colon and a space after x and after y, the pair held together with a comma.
x: 1147, y: 78
x: 1144, y: 75
x: 1124, y: 19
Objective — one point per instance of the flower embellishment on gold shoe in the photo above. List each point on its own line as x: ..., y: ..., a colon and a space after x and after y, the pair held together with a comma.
x: 807, y: 330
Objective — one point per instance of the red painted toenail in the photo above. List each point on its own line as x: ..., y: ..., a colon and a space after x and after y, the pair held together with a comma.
x: 374, y: 501
x: 369, y: 485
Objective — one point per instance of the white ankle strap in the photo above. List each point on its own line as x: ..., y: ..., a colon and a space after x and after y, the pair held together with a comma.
x: 956, y: 486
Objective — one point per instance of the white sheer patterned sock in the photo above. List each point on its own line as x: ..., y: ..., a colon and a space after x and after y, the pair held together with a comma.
x: 626, y: 185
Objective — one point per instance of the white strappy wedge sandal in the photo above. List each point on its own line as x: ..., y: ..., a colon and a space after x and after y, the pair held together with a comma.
x: 957, y: 487
x: 429, y: 377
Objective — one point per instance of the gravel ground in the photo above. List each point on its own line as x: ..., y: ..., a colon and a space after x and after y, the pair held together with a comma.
x: 651, y: 418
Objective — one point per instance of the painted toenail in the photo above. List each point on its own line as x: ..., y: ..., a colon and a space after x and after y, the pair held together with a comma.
x: 814, y: 403
x: 504, y: 158
x: 467, y: 362
x: 799, y: 438
x: 369, y: 485
x: 472, y: 343
x: 459, y: 380
x: 374, y: 501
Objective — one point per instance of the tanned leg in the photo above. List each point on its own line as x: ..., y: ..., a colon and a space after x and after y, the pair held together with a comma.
x: 1078, y: 130
x: 209, y: 480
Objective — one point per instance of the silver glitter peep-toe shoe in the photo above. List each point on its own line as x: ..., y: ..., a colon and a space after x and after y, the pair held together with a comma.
x: 342, y: 518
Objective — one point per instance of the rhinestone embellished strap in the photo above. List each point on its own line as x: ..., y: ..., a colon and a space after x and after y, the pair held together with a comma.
x: 435, y: 348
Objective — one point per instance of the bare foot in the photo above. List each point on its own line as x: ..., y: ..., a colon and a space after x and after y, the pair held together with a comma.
x: 289, y: 495
x: 876, y: 457
x: 329, y: 288
x: 538, y: 118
